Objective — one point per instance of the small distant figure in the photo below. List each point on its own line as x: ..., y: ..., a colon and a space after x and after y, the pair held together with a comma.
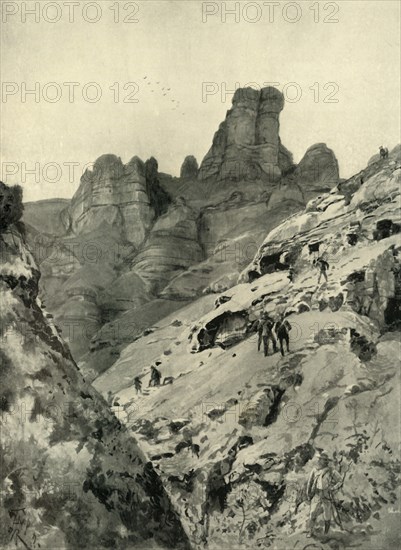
x: 383, y: 152
x: 322, y: 483
x: 195, y: 448
x: 138, y: 384
x: 155, y: 376
x: 259, y: 324
x: 291, y: 274
x: 323, y: 266
x: 110, y: 398
x: 282, y: 329
x: 265, y: 333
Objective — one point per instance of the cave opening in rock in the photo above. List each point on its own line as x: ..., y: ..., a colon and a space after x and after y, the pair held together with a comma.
x: 392, y: 313
x: 253, y: 275
x: 225, y: 330
x: 274, y: 409
x: 314, y: 247
x: 356, y: 277
x: 352, y: 239
x: 385, y: 229
x: 271, y: 263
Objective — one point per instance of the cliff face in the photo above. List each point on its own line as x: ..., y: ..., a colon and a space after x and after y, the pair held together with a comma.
x: 72, y: 476
x: 171, y: 247
x: 235, y: 436
x: 113, y: 194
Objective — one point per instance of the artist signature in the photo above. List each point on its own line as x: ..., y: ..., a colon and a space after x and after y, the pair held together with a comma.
x: 20, y: 531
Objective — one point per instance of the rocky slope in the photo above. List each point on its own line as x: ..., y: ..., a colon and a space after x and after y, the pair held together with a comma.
x: 134, y: 244
x: 72, y: 476
x: 235, y: 435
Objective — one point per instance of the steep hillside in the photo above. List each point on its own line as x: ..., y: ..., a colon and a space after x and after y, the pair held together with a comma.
x: 233, y: 434
x: 135, y: 239
x: 71, y: 474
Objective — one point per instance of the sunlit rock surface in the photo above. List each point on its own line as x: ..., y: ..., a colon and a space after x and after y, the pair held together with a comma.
x: 235, y: 435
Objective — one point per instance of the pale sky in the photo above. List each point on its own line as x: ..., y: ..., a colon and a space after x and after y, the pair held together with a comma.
x: 175, y: 49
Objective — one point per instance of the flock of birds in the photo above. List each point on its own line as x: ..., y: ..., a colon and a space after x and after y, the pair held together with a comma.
x: 165, y: 92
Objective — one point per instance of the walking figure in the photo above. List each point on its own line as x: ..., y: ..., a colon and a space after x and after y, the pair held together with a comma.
x: 323, y: 266
x: 259, y: 324
x: 138, y: 384
x: 323, y: 481
x: 265, y: 333
x: 110, y: 398
x: 282, y: 329
x: 155, y: 376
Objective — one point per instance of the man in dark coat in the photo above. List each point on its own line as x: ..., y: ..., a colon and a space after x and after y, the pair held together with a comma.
x: 282, y: 329
x: 138, y: 384
x: 155, y: 376
x: 265, y: 333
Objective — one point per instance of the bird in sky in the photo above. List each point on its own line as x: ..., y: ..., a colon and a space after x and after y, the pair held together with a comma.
x: 145, y: 77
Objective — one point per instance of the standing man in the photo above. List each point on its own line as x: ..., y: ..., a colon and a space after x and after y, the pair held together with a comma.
x: 110, y: 398
x: 267, y: 334
x: 155, y: 376
x: 259, y: 324
x: 138, y: 384
x: 283, y: 328
x: 323, y: 266
x: 322, y: 483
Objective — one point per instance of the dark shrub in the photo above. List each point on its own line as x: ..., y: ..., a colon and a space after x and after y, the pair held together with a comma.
x: 11, y: 207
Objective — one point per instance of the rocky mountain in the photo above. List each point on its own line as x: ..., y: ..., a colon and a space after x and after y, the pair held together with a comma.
x: 134, y: 244
x: 72, y: 475
x: 247, y: 144
x: 140, y: 268
x: 189, y: 168
x: 234, y: 435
